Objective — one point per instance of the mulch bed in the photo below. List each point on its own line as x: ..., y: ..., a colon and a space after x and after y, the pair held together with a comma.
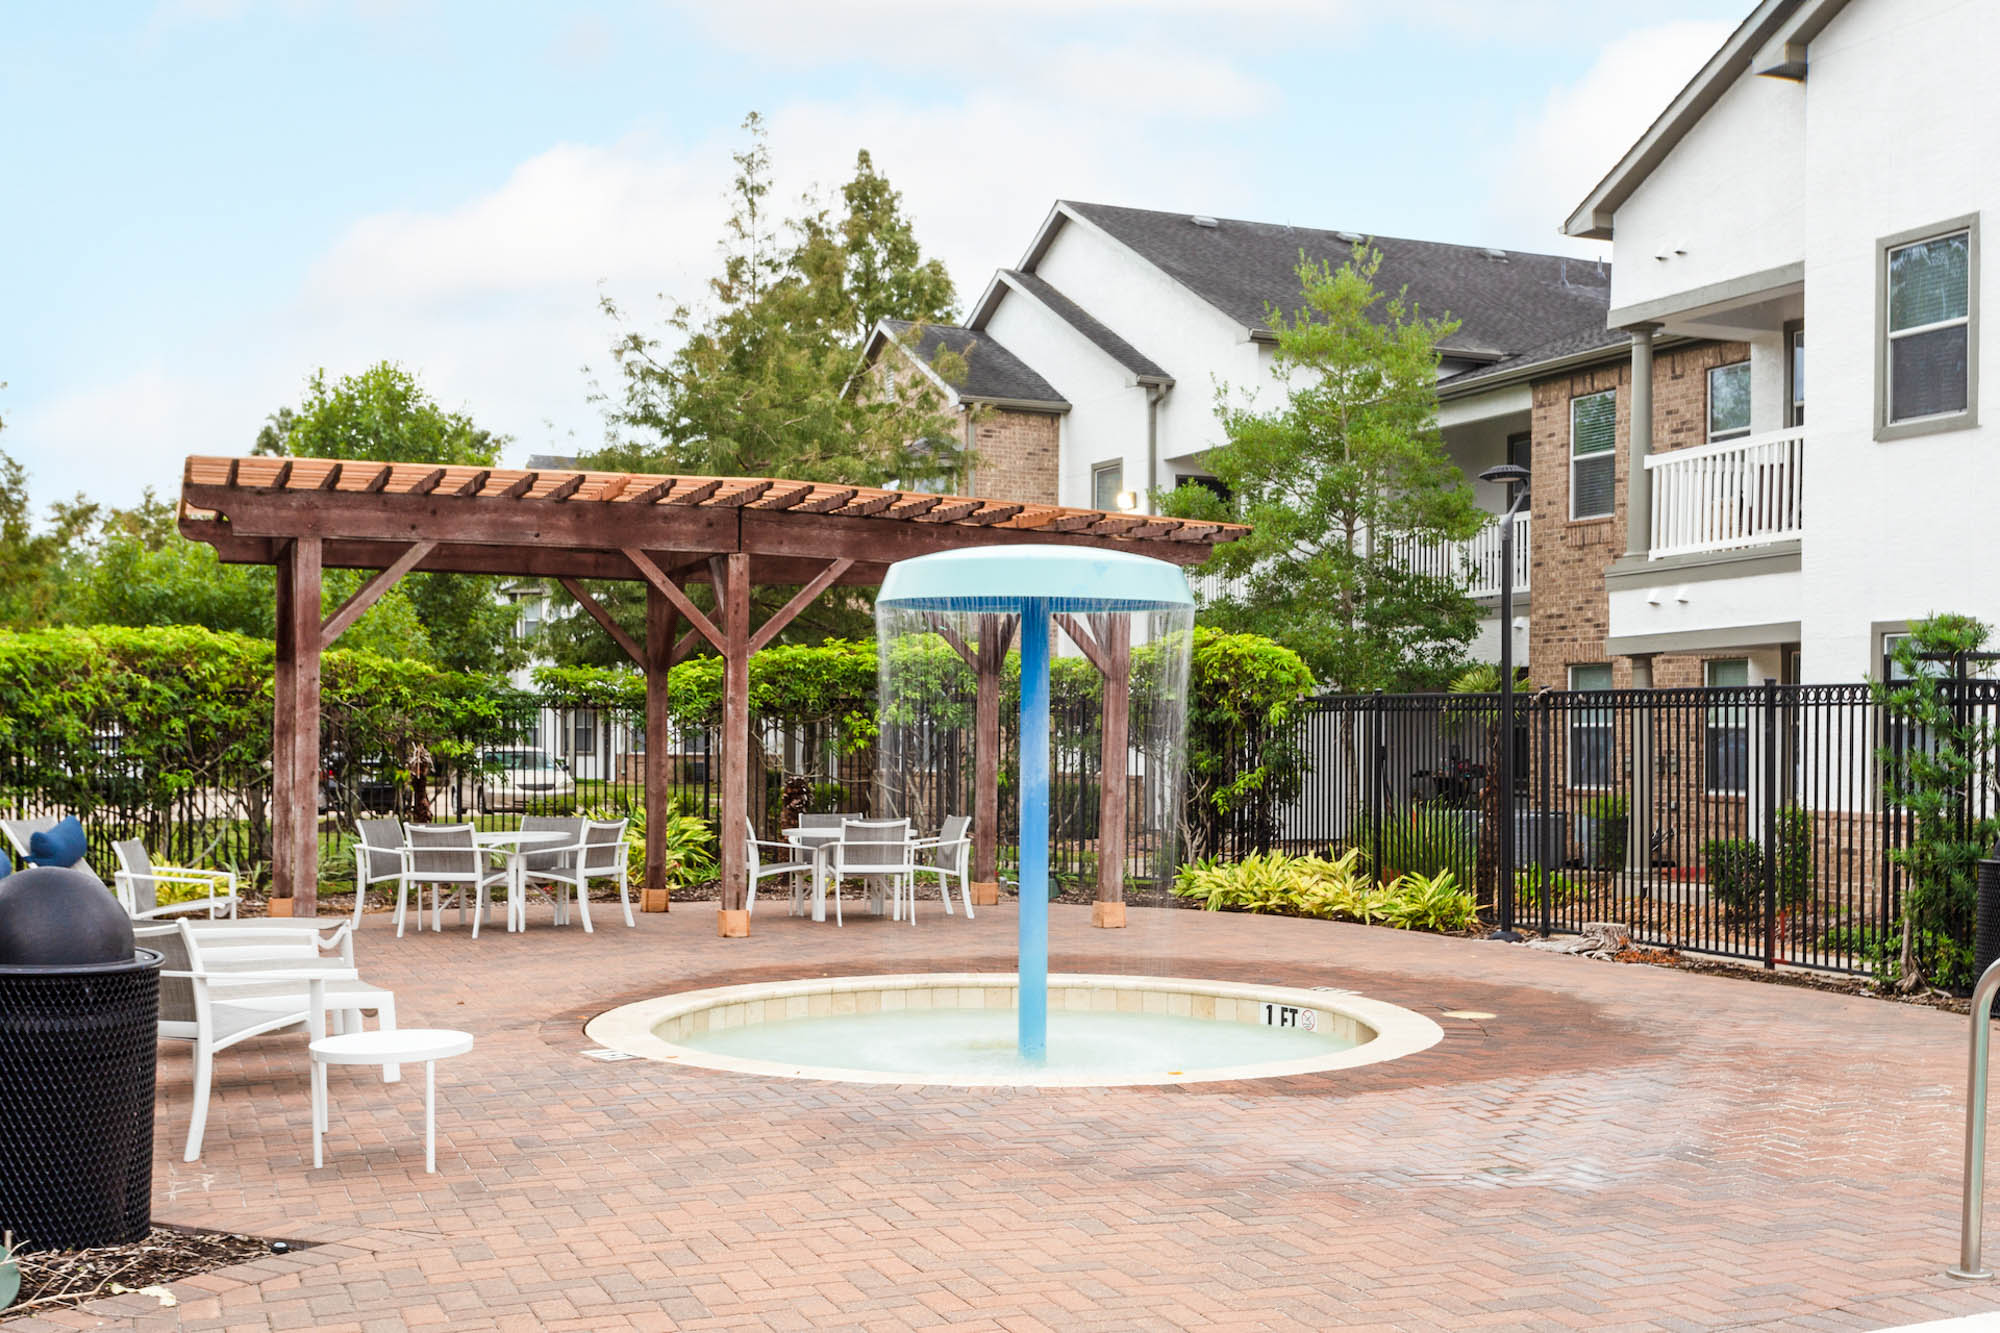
x: 61, y: 1279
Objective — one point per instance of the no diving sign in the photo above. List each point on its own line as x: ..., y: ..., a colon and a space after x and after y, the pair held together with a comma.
x: 1290, y: 1016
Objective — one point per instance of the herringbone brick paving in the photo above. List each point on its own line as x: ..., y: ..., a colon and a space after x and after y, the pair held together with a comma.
x: 1618, y: 1148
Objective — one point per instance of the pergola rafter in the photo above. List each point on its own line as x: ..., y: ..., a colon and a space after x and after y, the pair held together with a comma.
x: 307, y: 515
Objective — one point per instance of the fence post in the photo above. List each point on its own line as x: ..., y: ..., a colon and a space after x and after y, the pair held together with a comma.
x: 1545, y: 876
x: 1373, y: 779
x: 1770, y: 821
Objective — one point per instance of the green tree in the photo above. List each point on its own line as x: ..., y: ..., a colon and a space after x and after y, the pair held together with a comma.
x: 765, y: 378
x: 31, y: 556
x: 1339, y: 481
x: 384, y: 414
x: 1931, y: 769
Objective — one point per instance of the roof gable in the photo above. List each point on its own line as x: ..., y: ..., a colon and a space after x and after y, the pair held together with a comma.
x: 1135, y: 363
x: 992, y: 373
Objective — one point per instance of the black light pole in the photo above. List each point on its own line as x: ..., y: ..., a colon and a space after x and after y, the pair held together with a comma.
x: 1515, y: 478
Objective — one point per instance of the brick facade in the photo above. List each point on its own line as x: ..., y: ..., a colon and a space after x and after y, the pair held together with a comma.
x: 1016, y: 455
x: 1571, y: 614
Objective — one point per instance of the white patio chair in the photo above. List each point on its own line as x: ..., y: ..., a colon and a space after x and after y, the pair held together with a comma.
x: 597, y: 853
x: 761, y: 870
x: 244, y: 980
x: 18, y: 832
x: 378, y: 858
x: 446, y: 856
x: 137, y: 884
x: 873, y: 849
x: 948, y: 856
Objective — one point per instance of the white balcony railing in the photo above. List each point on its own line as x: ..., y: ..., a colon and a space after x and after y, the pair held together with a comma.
x: 1477, y: 559
x: 1721, y: 496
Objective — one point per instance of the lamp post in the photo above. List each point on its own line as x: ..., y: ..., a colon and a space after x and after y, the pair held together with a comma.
x: 1515, y: 478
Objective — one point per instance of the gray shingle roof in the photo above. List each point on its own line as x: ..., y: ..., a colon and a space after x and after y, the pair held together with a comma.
x: 1599, y: 339
x: 1507, y: 301
x: 991, y: 371
x: 1124, y: 353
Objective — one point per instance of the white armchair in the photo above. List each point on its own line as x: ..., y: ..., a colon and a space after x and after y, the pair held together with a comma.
x: 225, y: 982
x: 947, y: 856
x: 137, y: 884
x: 786, y: 866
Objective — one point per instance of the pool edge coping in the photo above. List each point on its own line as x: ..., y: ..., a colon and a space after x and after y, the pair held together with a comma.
x: 629, y: 1029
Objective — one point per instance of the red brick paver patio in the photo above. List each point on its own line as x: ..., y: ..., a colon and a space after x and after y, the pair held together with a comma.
x: 1618, y: 1147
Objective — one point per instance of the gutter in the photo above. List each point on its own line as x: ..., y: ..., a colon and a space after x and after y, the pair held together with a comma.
x: 1155, y: 391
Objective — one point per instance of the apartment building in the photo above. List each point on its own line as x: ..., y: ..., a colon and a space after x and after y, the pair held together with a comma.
x: 1827, y: 168
x: 1092, y: 365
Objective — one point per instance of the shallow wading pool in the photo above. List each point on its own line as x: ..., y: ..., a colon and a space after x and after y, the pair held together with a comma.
x: 959, y: 1029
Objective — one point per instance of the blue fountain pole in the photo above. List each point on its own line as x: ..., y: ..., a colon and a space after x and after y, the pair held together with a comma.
x: 1034, y: 946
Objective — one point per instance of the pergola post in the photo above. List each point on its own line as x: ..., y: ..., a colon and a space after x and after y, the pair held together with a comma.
x: 295, y: 732
x: 733, y: 600
x: 1114, y: 641
x: 659, y: 660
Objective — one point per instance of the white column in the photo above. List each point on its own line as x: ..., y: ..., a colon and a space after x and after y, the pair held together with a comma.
x: 1639, y: 440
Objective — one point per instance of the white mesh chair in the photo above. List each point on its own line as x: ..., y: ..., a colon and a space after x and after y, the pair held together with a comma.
x: 245, y: 980
x: 947, y: 856
x: 876, y: 849
x: 445, y: 856
x: 596, y: 851
x: 378, y: 858
x: 18, y: 831
x: 137, y: 884
x: 786, y: 866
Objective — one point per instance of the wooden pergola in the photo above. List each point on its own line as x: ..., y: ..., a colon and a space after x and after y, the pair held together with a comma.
x: 307, y: 515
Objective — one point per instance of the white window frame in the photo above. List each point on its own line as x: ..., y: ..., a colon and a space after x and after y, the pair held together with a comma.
x: 1715, y: 436
x: 1727, y: 717
x: 1098, y: 470
x: 1961, y: 419
x: 1577, y: 723
x: 1611, y: 454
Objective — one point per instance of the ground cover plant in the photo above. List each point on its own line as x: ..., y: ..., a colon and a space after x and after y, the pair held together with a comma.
x: 1340, y: 888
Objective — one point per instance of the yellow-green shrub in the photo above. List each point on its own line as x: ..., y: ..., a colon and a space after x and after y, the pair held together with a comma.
x: 1337, y: 889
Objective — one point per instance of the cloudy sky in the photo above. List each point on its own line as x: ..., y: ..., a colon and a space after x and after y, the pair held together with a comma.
x: 208, y: 199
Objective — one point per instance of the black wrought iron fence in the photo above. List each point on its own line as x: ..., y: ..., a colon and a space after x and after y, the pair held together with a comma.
x: 1746, y: 821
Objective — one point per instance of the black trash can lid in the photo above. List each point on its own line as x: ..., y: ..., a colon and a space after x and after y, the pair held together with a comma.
x: 56, y: 916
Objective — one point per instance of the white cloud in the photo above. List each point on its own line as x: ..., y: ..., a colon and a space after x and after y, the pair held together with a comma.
x: 1581, y: 130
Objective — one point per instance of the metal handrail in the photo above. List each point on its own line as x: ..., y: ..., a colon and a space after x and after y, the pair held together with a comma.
x: 1971, y: 1218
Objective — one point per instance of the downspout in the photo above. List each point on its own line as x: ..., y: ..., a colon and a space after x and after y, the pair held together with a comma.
x: 1154, y: 393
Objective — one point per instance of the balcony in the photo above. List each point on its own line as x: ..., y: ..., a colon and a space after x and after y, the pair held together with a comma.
x: 1727, y: 496
x: 1477, y: 559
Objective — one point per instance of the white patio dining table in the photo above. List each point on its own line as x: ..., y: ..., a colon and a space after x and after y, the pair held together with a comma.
x: 820, y: 842
x: 515, y: 847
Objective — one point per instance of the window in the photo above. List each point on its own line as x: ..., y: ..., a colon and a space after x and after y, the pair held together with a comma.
x: 1727, y: 743
x: 888, y: 380
x: 1929, y: 334
x: 1106, y: 481
x: 1593, y: 454
x: 1797, y: 349
x: 1729, y: 402
x: 1521, y: 450
x: 1592, y: 731
x: 583, y: 732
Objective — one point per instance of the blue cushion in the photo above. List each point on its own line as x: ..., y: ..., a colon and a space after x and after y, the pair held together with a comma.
x: 63, y: 845
x: 6, y: 866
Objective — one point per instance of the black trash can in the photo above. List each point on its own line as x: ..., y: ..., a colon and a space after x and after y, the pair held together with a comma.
x: 79, y: 1015
x: 1986, y: 935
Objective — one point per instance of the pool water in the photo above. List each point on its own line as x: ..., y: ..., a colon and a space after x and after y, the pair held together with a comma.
x: 981, y: 1042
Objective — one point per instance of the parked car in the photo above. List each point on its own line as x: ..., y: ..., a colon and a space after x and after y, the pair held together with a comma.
x: 523, y: 778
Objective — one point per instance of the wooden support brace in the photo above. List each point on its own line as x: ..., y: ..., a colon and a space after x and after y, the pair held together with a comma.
x: 803, y: 598
x: 602, y: 617
x: 371, y: 592
x: 1083, y: 639
x: 668, y: 589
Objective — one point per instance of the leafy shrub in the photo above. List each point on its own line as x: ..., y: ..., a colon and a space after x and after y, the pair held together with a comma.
x: 1533, y: 884
x: 1735, y: 869
x: 1427, y: 842
x: 1337, y: 889
x: 1945, y: 962
x: 688, y: 843
x: 1796, y: 854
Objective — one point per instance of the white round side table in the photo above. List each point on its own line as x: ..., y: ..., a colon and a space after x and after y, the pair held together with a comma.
x: 393, y: 1047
